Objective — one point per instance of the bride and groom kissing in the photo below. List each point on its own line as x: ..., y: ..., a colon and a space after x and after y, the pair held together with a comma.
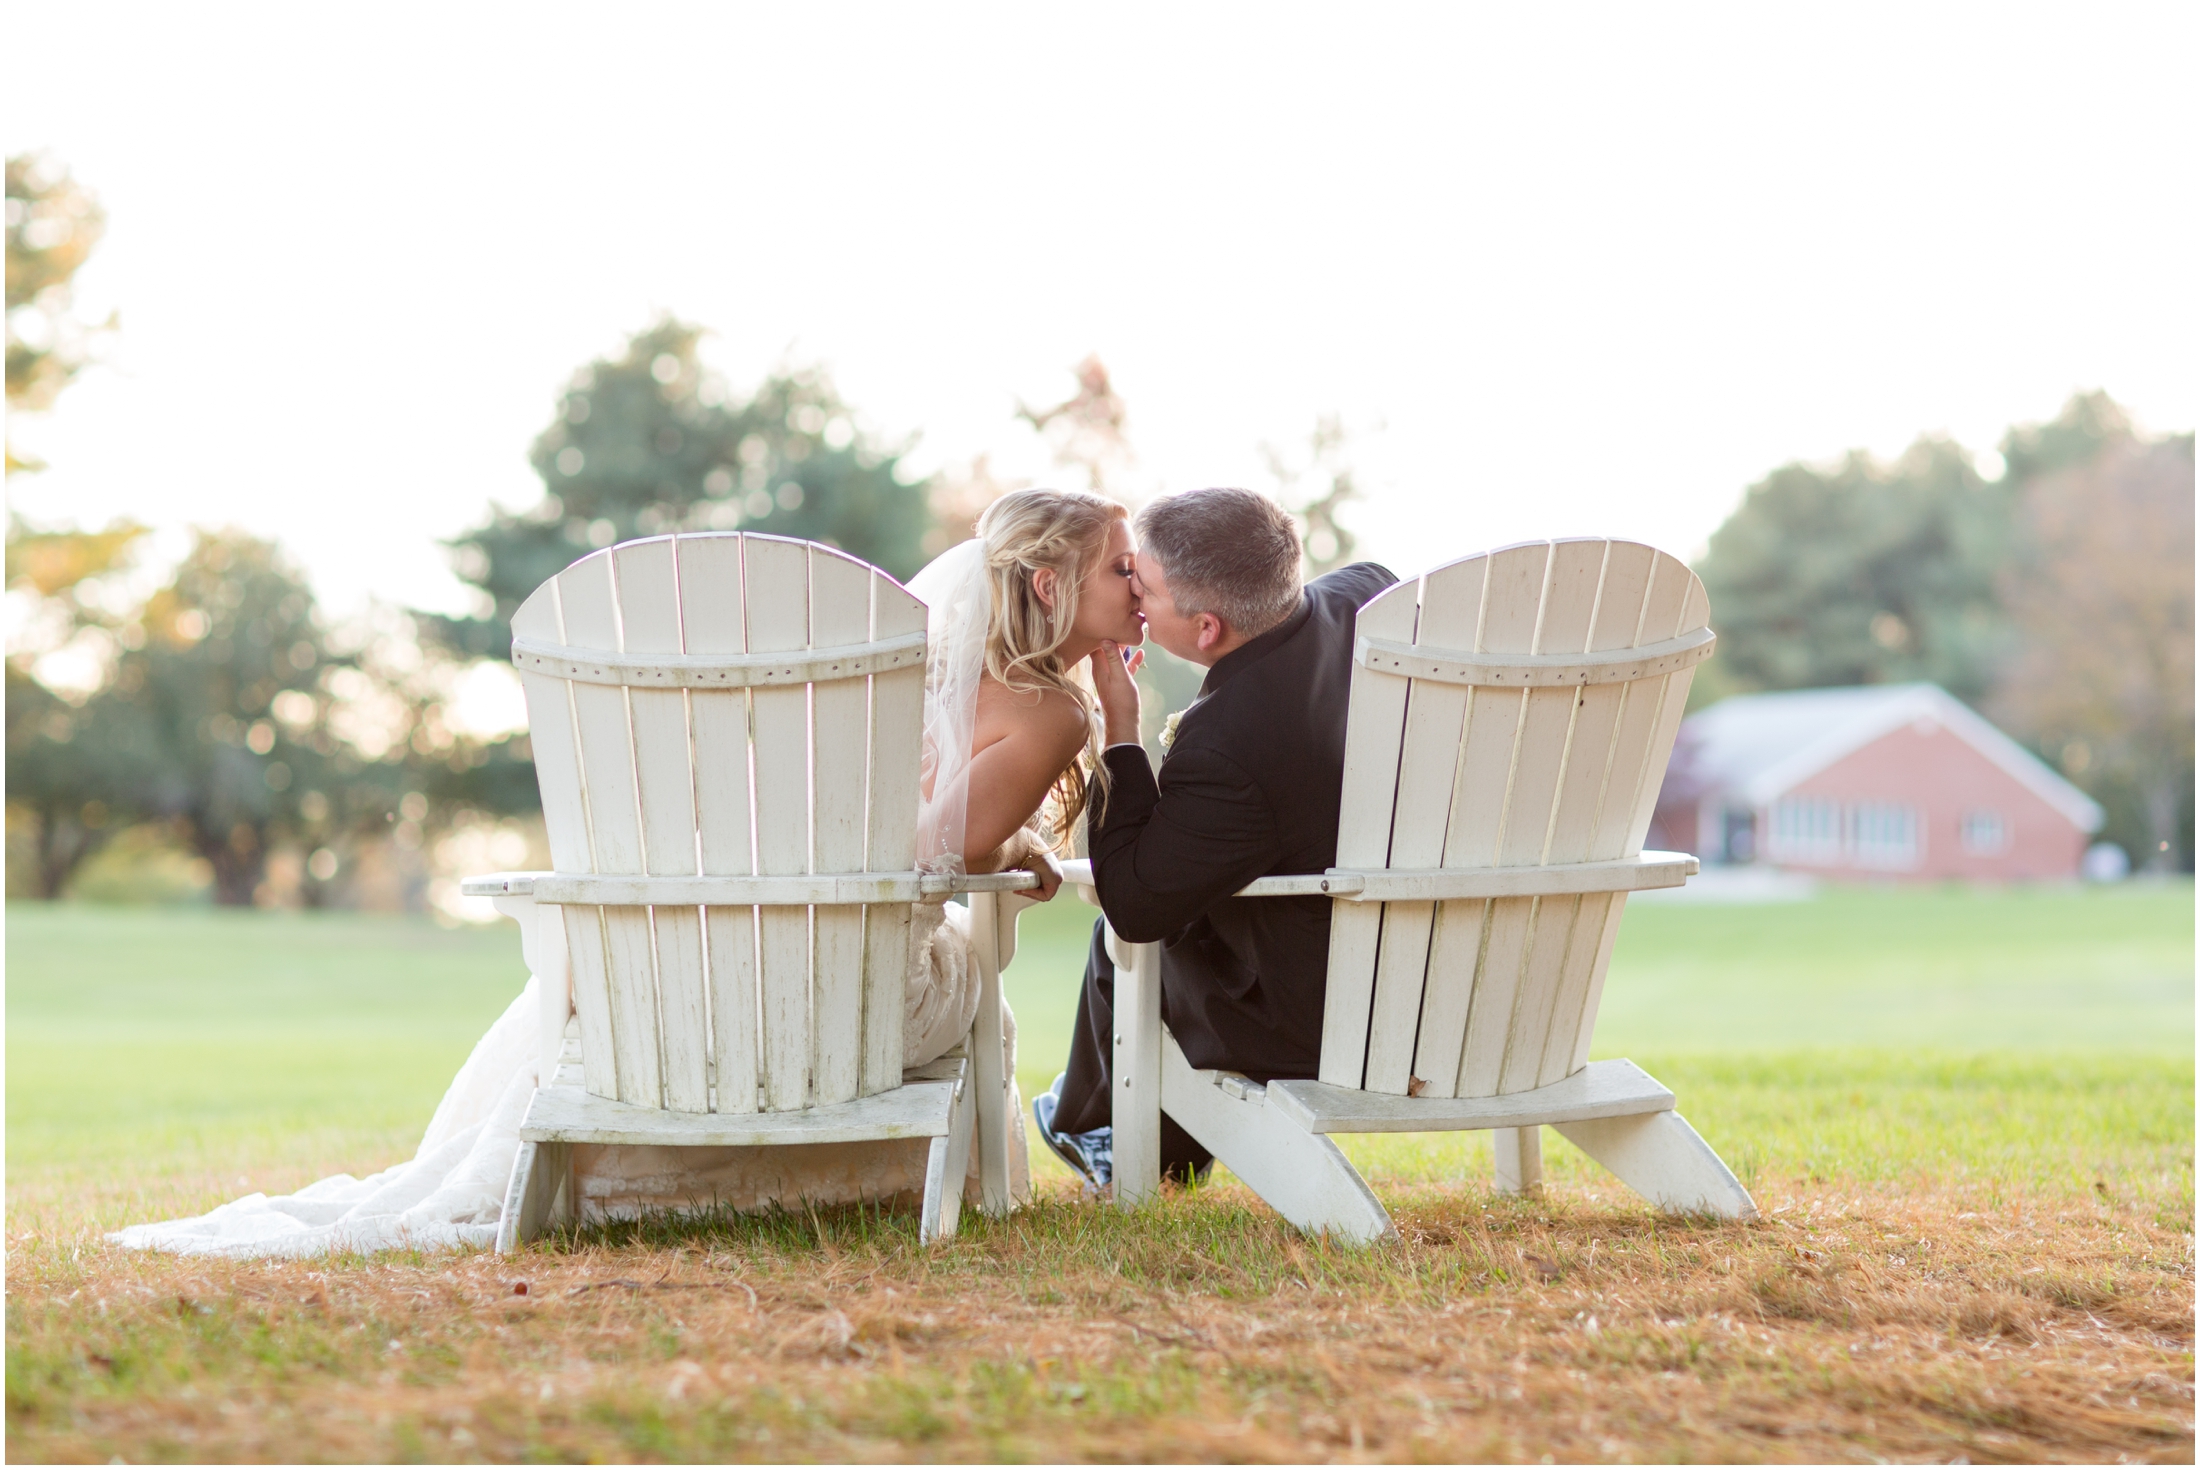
x: 1031, y: 727
x: 1249, y: 787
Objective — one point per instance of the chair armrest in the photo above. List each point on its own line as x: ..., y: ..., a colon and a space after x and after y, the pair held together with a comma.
x: 1008, y: 881
x: 522, y: 885
x: 1391, y: 885
x: 500, y: 885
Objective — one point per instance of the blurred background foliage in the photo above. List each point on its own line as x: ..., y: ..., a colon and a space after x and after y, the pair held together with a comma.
x: 53, y: 225
x: 210, y: 734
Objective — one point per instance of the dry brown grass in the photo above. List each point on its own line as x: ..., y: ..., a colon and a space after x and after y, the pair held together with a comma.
x: 1851, y: 1323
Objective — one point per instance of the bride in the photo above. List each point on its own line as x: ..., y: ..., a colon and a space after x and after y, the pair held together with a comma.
x: 1009, y: 762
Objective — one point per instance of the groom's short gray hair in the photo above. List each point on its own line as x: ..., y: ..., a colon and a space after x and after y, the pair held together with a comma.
x: 1228, y: 552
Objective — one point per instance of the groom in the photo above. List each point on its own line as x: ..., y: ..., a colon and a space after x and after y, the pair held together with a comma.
x: 1249, y: 788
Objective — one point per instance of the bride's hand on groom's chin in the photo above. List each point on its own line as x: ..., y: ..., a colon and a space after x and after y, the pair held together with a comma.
x: 1113, y: 682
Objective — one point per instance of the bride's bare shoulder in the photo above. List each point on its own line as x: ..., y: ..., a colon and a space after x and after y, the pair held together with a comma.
x: 1044, y: 715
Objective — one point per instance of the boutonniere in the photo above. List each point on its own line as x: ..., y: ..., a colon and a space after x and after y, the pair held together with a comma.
x: 1168, y: 729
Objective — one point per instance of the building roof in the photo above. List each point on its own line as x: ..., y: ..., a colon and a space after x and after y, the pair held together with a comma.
x: 1759, y: 746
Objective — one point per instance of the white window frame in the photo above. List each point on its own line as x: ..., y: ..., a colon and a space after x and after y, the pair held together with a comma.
x: 1804, y: 829
x: 1986, y: 832
x: 1885, y: 835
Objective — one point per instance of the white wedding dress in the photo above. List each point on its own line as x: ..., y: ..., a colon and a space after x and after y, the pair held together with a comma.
x: 451, y: 1192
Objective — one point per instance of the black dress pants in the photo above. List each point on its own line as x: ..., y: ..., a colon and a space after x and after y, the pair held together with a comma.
x: 1088, y: 1095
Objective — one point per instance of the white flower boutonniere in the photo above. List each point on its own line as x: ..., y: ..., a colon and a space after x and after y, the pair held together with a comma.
x: 1168, y: 729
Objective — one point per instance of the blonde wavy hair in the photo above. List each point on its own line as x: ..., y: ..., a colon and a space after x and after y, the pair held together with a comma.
x: 1066, y: 532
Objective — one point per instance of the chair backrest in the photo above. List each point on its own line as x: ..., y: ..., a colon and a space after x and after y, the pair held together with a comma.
x: 1554, y: 757
x: 665, y: 747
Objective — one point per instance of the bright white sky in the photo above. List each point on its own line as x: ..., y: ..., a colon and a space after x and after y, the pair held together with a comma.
x: 1566, y: 270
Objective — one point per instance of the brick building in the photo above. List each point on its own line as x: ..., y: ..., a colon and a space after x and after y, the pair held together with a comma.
x: 1886, y: 781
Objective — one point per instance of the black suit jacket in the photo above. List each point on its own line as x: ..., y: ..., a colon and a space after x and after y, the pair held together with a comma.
x: 1249, y: 788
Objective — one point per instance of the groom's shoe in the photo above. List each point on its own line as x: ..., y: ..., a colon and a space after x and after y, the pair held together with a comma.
x: 1091, y: 1155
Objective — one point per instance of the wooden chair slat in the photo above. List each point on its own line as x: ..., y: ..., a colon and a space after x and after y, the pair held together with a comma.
x: 565, y: 819
x: 897, y: 705
x: 777, y: 591
x: 712, y: 620
x: 1454, y: 955
x: 1695, y: 613
x: 1595, y: 747
x: 1548, y: 722
x: 1374, y: 729
x: 1600, y: 963
x: 1482, y: 809
x: 1616, y: 602
x: 1664, y: 596
x: 643, y: 574
x: 1642, y: 741
x: 1496, y: 988
x: 1550, y: 940
x: 588, y: 599
x: 840, y: 714
x: 1571, y: 995
x: 1450, y: 610
x: 1480, y: 790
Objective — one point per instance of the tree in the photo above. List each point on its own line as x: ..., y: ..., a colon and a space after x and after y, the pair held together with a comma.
x: 220, y: 703
x: 648, y: 442
x: 1863, y: 573
x: 2102, y: 601
x: 53, y: 224
x: 67, y: 771
x: 2088, y: 423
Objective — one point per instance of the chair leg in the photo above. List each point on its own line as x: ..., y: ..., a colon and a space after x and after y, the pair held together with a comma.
x: 1519, y: 1160
x: 993, y: 928
x: 946, y: 1165
x: 539, y: 1196
x: 1137, y: 1070
x: 1304, y: 1176
x: 1661, y: 1158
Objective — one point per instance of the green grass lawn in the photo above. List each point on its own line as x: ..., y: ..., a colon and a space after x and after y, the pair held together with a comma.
x: 163, y: 1059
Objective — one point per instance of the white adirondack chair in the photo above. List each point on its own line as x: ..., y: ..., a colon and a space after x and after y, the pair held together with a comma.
x: 1511, y: 717
x: 725, y: 732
